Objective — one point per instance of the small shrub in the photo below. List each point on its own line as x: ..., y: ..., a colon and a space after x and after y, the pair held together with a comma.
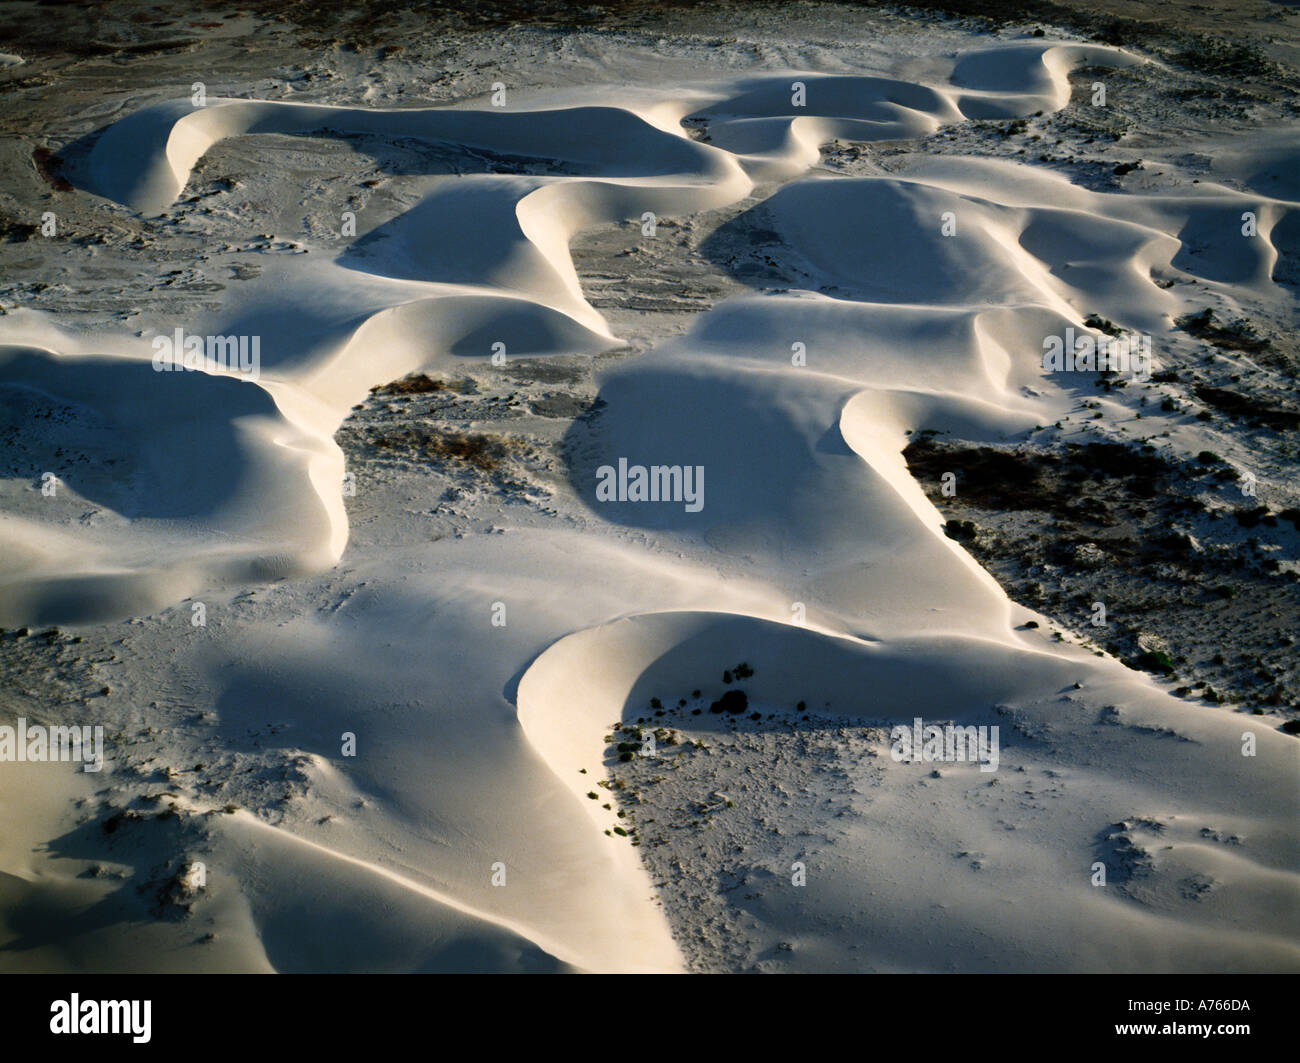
x: 964, y: 531
x: 1155, y: 661
x: 733, y: 701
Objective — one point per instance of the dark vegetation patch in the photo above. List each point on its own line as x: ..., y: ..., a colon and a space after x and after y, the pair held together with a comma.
x: 964, y: 531
x: 732, y: 701
x: 415, y: 384
x: 48, y: 166
x: 1187, y: 593
x: 1155, y: 661
x: 1096, y: 321
x: 1053, y: 483
x: 1249, y: 409
x: 62, y: 27
x: 15, y: 231
x: 1226, y: 59
x: 1238, y: 335
x: 484, y: 452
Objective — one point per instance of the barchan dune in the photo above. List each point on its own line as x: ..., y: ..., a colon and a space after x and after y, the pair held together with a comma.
x: 465, y: 818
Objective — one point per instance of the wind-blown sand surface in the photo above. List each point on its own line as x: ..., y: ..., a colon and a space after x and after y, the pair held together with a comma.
x: 247, y: 574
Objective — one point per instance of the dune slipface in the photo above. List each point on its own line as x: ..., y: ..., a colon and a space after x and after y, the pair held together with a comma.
x: 478, y: 675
